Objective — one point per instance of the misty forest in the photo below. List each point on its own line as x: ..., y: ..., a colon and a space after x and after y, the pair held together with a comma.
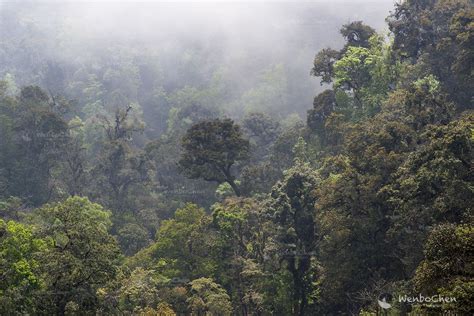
x: 236, y: 158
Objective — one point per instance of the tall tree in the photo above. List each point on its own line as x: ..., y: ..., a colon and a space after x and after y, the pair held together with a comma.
x: 240, y: 227
x: 35, y: 143
x: 292, y: 210
x: 434, y: 35
x: 83, y: 257
x: 119, y: 166
x: 211, y: 148
x: 433, y: 185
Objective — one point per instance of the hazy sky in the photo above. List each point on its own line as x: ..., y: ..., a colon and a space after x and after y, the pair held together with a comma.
x: 245, y: 37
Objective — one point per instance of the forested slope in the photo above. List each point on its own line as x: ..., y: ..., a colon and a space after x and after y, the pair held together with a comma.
x: 128, y: 190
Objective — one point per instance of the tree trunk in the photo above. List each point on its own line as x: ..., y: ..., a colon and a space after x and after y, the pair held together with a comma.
x: 234, y: 186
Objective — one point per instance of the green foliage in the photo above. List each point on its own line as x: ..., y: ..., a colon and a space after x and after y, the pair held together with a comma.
x: 357, y: 34
x: 323, y: 105
x: 323, y: 64
x: 83, y: 256
x: 336, y: 211
x: 352, y: 70
x: 133, y: 237
x: 434, y: 34
x: 447, y: 267
x: 9, y: 208
x: 137, y: 292
x: 433, y: 185
x: 183, y: 246
x: 291, y: 208
x: 20, y: 260
x: 262, y: 132
x: 208, y: 298
x: 282, y: 155
x: 211, y: 148
x: 366, y: 72
x: 242, y: 236
x: 122, y: 171
x: 33, y: 140
x: 225, y: 190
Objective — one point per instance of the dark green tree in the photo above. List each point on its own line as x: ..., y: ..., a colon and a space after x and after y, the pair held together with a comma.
x: 433, y: 185
x: 435, y: 35
x: 357, y: 34
x: 447, y: 269
x: 323, y: 64
x: 323, y: 105
x: 211, y: 148
x: 262, y: 131
x: 292, y: 210
x: 34, y: 142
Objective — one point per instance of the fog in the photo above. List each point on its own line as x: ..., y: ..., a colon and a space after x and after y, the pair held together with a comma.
x: 246, y: 50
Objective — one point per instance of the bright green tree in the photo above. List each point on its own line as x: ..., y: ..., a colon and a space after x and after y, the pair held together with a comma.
x: 20, y: 258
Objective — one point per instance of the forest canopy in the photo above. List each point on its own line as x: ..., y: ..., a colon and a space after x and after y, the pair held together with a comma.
x: 146, y: 172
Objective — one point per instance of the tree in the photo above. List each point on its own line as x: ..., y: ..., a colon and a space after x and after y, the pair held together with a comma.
x: 262, y: 131
x: 323, y: 64
x: 357, y: 34
x: 211, y: 148
x: 132, y: 238
x: 75, y: 168
x: 462, y: 29
x: 353, y: 214
x: 20, y: 259
x: 422, y: 103
x: 366, y: 73
x: 166, y: 150
x: 208, y: 298
x: 184, y: 246
x: 282, y: 156
x: 35, y: 139
x: 432, y: 186
x: 351, y: 71
x: 120, y: 168
x: 292, y: 210
x: 362, y: 74
x: 240, y: 226
x: 447, y: 267
x: 323, y: 105
x: 83, y: 257
x: 433, y: 35
x: 131, y: 293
